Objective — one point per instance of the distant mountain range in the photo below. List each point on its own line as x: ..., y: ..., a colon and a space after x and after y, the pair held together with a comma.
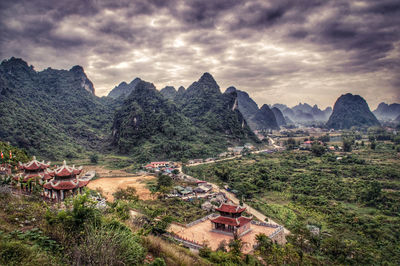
x: 387, y: 112
x: 304, y: 113
x: 56, y: 114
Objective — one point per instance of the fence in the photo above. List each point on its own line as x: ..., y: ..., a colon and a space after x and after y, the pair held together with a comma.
x: 201, y: 220
x: 276, y: 232
x: 265, y: 224
x: 186, y: 242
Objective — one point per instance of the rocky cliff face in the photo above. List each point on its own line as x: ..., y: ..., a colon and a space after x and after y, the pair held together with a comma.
x: 351, y: 110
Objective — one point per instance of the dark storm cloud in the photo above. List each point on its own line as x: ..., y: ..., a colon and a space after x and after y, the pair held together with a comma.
x: 304, y: 49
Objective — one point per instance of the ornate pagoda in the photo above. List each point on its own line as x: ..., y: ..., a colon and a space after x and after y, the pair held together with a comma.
x: 33, y: 171
x: 230, y: 220
x: 65, y: 183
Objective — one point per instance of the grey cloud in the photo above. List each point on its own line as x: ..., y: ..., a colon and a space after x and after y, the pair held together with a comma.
x: 269, y: 48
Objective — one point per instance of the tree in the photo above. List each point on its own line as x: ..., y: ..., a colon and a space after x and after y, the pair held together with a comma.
x: 164, y: 181
x: 94, y: 158
x: 371, y: 193
x: 373, y: 145
x: 126, y: 194
x: 347, y: 142
x: 291, y: 143
x: 317, y: 149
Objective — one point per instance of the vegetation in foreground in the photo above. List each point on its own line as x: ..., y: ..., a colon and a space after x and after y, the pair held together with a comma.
x: 351, y: 198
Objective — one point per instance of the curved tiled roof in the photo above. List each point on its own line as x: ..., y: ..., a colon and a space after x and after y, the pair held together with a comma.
x: 34, y: 165
x: 62, y: 184
x: 231, y: 221
x: 65, y: 170
x: 230, y: 208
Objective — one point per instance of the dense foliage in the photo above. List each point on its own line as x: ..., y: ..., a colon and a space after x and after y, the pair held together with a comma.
x: 55, y: 114
x: 354, y: 201
x: 17, y: 155
x: 149, y: 126
x: 52, y: 113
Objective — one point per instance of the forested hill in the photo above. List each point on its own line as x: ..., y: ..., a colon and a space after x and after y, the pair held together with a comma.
x: 53, y: 113
x: 149, y: 126
x: 213, y: 111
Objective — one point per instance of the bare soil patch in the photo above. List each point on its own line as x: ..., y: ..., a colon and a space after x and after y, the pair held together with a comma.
x: 112, y: 180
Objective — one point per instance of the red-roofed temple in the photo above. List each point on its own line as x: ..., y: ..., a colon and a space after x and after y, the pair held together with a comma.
x: 33, y: 172
x: 231, y: 220
x: 66, y: 182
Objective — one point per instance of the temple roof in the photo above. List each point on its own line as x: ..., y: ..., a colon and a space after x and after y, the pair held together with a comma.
x: 65, y: 184
x: 230, y: 208
x: 34, y: 165
x: 47, y: 175
x: 66, y: 170
x: 231, y: 221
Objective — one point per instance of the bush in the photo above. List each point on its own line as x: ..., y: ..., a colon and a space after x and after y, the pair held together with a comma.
x: 94, y: 158
x: 109, y: 245
x: 318, y: 150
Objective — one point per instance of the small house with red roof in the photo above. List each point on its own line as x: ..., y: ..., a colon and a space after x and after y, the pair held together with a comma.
x: 65, y: 183
x: 230, y: 220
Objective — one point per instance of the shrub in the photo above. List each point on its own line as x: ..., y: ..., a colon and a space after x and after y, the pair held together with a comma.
x: 109, y: 245
x: 94, y: 158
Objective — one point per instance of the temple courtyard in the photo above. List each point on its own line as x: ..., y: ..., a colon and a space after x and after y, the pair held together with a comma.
x: 201, y: 233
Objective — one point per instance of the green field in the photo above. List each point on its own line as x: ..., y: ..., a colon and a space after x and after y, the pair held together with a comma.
x: 355, y: 201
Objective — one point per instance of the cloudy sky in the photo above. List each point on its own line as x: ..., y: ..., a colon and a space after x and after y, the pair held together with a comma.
x: 278, y: 51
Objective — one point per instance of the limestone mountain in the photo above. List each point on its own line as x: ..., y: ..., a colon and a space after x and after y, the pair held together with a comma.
x: 387, y: 112
x: 123, y: 89
x: 397, y: 119
x: 181, y: 90
x: 217, y: 113
x: 52, y: 113
x: 280, y: 119
x: 149, y: 126
x: 351, y: 110
x: 264, y: 119
x: 169, y: 92
x: 256, y: 118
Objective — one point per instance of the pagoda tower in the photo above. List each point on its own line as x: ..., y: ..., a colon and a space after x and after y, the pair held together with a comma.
x: 33, y: 171
x: 65, y: 183
x: 230, y: 220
